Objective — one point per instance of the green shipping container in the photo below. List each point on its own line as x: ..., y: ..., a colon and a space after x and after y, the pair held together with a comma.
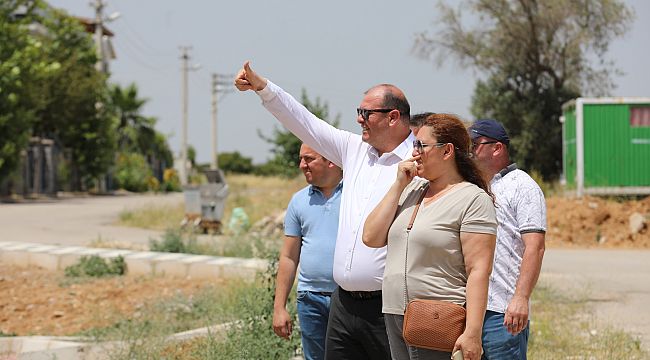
x: 606, y: 146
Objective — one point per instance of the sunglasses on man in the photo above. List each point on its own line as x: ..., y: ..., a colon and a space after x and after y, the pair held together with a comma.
x: 365, y: 113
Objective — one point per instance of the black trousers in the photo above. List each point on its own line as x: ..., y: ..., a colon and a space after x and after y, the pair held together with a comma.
x: 356, y: 329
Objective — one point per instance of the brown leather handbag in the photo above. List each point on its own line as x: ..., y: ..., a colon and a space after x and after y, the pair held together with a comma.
x: 430, y: 324
x: 433, y: 324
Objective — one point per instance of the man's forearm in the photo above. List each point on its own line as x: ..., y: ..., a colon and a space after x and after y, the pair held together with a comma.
x: 531, y: 266
x: 284, y: 281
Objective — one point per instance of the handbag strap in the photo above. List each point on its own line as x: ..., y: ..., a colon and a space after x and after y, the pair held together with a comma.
x: 408, y: 231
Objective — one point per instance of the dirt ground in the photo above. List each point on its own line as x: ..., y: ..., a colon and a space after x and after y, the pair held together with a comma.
x: 38, y: 302
x: 594, y: 222
x: 34, y: 301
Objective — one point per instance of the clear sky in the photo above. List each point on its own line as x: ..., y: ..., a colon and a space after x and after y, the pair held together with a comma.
x: 334, y: 49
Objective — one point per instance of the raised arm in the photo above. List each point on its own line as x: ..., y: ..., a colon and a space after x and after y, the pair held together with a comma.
x: 375, y: 229
x: 327, y: 140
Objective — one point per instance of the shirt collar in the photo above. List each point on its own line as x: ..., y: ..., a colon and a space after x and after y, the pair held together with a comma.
x: 313, y: 188
x: 403, y: 150
x: 503, y: 172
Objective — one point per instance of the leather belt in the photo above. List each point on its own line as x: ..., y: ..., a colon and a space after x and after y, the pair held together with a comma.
x: 361, y: 295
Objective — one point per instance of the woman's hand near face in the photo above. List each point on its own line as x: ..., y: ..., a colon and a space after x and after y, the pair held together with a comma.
x: 406, y: 171
x: 375, y: 229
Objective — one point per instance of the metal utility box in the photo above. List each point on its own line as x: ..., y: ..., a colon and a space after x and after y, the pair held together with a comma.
x: 204, y: 204
x: 606, y: 146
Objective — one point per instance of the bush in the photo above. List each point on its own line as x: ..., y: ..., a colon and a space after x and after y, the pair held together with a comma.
x: 252, y: 337
x: 153, y: 184
x: 234, y: 162
x: 171, y: 182
x: 95, y: 266
x: 132, y: 172
x: 172, y: 241
x: 277, y: 167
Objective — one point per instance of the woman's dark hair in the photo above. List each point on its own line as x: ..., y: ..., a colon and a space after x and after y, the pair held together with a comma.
x: 448, y: 128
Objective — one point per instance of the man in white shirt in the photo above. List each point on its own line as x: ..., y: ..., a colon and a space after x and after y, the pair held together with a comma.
x: 521, y: 217
x: 356, y: 328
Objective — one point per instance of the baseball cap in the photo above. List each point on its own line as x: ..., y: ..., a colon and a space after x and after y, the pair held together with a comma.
x: 489, y: 128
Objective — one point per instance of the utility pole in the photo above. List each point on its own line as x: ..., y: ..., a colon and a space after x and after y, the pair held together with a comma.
x: 99, y: 34
x: 184, y: 69
x: 102, y: 56
x: 100, y: 65
x: 220, y: 84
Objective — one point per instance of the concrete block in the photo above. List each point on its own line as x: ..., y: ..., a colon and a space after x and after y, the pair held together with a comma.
x: 45, y: 260
x: 257, y: 264
x: 66, y: 260
x: 140, y: 263
x: 171, y: 264
x: 40, y: 256
x: 234, y: 268
x: 204, y: 270
x: 93, y: 251
x: 68, y: 256
x: 68, y: 250
x: 215, y: 331
x: 115, y: 253
x: 20, y: 246
x: 4, y: 244
x: 197, y: 267
x: 15, y: 257
x: 192, y: 259
x: 168, y: 257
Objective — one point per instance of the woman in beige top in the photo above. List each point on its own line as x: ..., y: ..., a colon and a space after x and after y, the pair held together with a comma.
x: 451, y: 245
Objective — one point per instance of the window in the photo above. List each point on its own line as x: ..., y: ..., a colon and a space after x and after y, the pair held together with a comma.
x: 640, y: 116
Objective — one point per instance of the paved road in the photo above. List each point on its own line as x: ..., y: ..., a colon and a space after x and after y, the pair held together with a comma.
x: 78, y: 221
x: 617, y: 281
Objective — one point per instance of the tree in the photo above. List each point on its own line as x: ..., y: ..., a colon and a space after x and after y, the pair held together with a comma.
x: 535, y: 55
x: 70, y: 96
x: 136, y: 133
x: 286, y: 146
x: 20, y: 69
x: 234, y: 162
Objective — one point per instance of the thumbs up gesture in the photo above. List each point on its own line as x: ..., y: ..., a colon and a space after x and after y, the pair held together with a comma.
x: 247, y: 79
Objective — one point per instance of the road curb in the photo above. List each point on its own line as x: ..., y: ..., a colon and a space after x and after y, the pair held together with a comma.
x: 57, y: 258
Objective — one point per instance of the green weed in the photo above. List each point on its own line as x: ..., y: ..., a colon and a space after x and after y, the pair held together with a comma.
x: 248, y: 305
x: 95, y: 266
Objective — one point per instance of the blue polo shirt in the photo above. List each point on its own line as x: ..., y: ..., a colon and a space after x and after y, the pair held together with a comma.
x: 316, y: 219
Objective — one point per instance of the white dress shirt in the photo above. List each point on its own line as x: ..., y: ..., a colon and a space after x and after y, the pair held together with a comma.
x: 366, y: 178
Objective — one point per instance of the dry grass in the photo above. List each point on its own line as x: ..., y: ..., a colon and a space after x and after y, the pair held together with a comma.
x: 158, y: 217
x: 564, y: 327
x: 258, y: 196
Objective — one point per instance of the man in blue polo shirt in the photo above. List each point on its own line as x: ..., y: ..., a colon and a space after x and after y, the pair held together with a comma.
x: 310, y: 228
